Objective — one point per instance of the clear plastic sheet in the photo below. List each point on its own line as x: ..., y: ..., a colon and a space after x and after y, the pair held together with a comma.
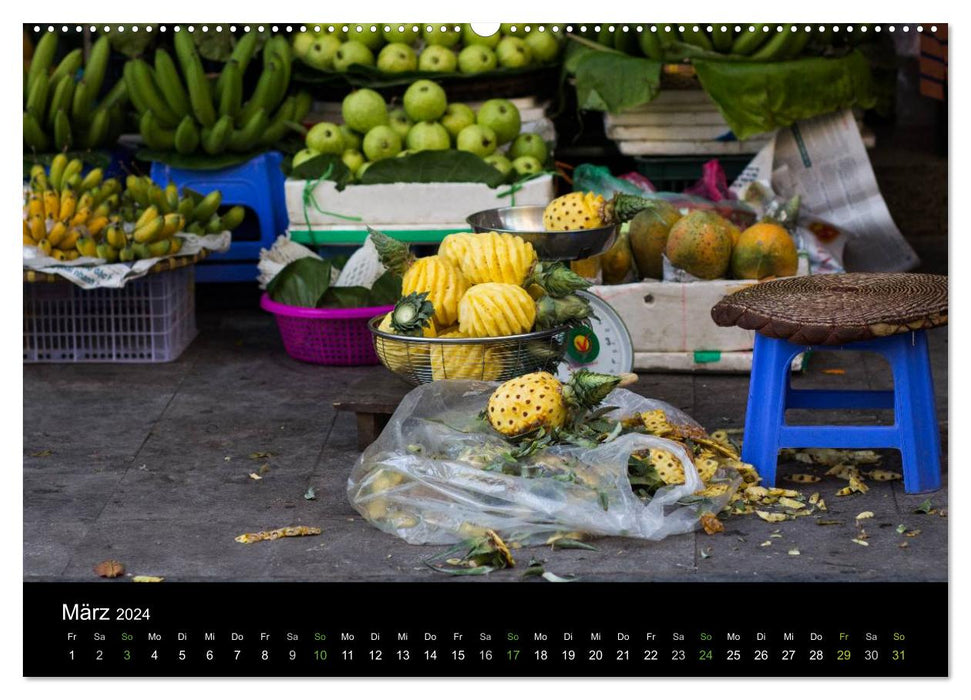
x: 437, y: 475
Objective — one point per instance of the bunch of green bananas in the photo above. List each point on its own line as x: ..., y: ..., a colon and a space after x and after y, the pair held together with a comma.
x: 61, y: 107
x: 199, y: 213
x: 196, y: 114
x: 763, y: 42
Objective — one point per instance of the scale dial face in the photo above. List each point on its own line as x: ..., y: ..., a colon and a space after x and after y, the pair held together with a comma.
x: 604, y: 347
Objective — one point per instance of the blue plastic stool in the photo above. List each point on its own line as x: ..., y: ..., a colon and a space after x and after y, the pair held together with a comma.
x: 257, y: 184
x: 914, y: 431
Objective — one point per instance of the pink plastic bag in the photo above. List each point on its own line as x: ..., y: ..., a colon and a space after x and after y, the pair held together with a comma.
x: 713, y: 184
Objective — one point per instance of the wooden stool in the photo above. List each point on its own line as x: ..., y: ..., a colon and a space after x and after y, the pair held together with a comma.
x: 882, y: 313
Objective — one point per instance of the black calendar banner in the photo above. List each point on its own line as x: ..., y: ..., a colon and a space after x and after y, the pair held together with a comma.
x: 459, y: 629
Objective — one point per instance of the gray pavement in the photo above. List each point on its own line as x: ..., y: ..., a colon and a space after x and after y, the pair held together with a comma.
x: 150, y: 464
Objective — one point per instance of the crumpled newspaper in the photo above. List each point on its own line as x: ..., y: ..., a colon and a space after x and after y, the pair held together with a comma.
x: 95, y: 273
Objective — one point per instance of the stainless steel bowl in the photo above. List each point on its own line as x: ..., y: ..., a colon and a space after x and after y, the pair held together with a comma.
x: 527, y: 223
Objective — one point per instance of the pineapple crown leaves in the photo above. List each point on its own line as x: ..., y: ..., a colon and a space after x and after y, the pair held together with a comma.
x: 624, y: 207
x: 571, y: 310
x: 586, y: 389
x: 395, y: 255
x: 556, y: 279
x: 412, y: 313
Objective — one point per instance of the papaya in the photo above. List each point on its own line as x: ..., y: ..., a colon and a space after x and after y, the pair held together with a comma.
x: 649, y: 235
x: 764, y: 250
x: 701, y: 245
x: 617, y: 262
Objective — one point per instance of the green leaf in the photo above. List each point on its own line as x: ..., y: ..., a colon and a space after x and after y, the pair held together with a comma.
x: 553, y: 578
x: 386, y: 289
x: 345, y: 298
x: 567, y: 543
x: 196, y: 161
x: 327, y: 166
x: 925, y: 507
x: 758, y: 97
x: 301, y: 283
x: 433, y: 166
x: 613, y: 82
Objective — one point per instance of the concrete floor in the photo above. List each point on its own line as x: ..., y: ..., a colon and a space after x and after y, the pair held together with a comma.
x: 149, y: 465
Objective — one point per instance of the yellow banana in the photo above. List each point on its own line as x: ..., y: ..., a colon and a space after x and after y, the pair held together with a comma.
x: 28, y: 239
x: 148, y: 215
x: 80, y: 216
x: 57, y: 234
x: 86, y: 201
x: 45, y: 245
x: 95, y: 226
x: 87, y: 247
x: 58, y: 254
x: 173, y: 224
x: 38, y: 228
x: 92, y: 179
x: 176, y: 245
x: 69, y: 201
x: 56, y: 173
x: 70, y: 171
x: 38, y: 178
x: 115, y: 235
x: 51, y: 204
x: 35, y: 205
x: 70, y: 240
x: 159, y: 248
x: 148, y: 232
x: 172, y: 196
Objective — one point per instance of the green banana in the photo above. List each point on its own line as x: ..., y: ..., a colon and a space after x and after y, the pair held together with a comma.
x: 186, y: 207
x: 233, y: 218
x: 135, y: 95
x: 156, y: 137
x: 69, y: 65
x: 81, y: 104
x: 279, y: 124
x: 776, y: 47
x: 62, y: 131
x: 43, y: 58
x: 61, y: 101
x: 261, y: 95
x: 97, y: 65
x: 721, y: 40
x: 118, y: 94
x: 56, y: 173
x: 231, y: 97
x: 98, y: 128
x: 244, y: 50
x: 248, y: 137
x: 185, y: 50
x: 215, y: 224
x: 798, y: 43
x: 144, y: 81
x: 215, y: 139
x: 200, y: 95
x: 126, y: 254
x: 34, y: 135
x: 187, y: 136
x: 747, y: 42
x: 93, y: 179
x: 626, y: 41
x: 37, y: 97
x: 207, y: 206
x: 650, y: 44
x: 302, y: 104
x: 696, y: 38
x: 278, y: 86
x: 71, y: 171
x: 167, y: 76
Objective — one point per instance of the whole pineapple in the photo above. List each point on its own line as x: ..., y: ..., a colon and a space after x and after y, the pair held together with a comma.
x: 539, y: 400
x: 489, y: 257
x: 582, y: 210
x: 496, y: 309
x: 411, y: 316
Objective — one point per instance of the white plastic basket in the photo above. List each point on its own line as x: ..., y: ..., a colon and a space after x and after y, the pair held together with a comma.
x: 151, y: 319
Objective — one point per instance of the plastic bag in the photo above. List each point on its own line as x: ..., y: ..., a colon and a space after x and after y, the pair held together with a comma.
x: 434, y: 476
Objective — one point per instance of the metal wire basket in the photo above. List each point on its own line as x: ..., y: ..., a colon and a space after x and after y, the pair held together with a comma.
x: 424, y: 360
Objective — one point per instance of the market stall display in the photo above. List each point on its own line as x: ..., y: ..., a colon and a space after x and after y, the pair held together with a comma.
x: 67, y: 107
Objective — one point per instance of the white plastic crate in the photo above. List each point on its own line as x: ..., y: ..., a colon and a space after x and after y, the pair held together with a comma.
x: 151, y: 319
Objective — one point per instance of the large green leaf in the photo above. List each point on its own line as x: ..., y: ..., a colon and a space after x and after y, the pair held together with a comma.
x: 304, y: 282
x: 433, y: 166
x: 612, y: 82
x: 369, y: 76
x: 758, y: 97
x: 385, y: 292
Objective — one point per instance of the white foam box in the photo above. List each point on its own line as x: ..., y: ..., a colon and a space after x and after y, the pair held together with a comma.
x: 671, y: 327
x: 436, y: 205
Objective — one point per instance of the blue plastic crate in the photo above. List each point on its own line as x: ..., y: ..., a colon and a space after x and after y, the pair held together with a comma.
x: 256, y: 184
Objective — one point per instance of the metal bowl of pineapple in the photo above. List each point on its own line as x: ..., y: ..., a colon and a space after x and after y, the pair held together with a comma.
x: 424, y: 360
x: 527, y: 223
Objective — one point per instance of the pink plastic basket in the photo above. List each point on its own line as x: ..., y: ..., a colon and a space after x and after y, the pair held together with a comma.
x: 326, y: 336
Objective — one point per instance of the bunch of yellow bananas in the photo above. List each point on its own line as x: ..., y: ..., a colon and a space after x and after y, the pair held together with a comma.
x: 199, y: 212
x: 66, y: 215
